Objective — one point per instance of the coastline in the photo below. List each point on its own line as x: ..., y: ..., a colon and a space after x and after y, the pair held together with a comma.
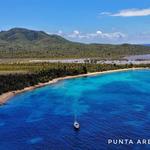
x: 6, y: 96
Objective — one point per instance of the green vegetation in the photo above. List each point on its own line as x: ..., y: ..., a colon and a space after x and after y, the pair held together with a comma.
x: 35, y: 73
x: 24, y: 43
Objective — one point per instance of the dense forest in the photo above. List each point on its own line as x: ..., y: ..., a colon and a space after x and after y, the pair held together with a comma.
x: 17, y: 81
x: 24, y: 43
x: 43, y: 72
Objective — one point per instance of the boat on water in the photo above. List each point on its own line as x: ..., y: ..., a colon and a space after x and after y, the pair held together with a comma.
x: 76, y: 125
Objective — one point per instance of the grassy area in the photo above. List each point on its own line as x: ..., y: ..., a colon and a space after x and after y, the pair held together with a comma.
x: 2, y: 72
x: 37, y: 67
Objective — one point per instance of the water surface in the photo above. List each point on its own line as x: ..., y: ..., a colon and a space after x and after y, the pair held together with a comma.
x: 115, y: 105
x: 138, y: 57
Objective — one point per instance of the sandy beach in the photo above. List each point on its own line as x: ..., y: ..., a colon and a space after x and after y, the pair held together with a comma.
x: 6, y: 96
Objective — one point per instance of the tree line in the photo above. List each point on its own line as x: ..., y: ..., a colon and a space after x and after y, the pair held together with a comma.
x: 47, y: 71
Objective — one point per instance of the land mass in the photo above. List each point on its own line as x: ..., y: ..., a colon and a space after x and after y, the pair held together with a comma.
x: 38, y: 59
x: 25, y: 43
x: 6, y: 96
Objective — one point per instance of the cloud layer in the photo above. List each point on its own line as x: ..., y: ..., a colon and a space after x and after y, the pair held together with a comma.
x: 105, y: 37
x: 98, y: 34
x: 129, y: 13
x: 92, y: 37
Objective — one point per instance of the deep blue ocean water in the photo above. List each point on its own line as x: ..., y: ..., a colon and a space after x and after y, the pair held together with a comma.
x: 108, y: 106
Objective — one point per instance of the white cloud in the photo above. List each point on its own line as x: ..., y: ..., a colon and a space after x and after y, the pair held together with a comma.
x: 91, y: 37
x: 60, y: 32
x: 98, y: 34
x: 133, y: 12
x: 129, y: 13
x: 105, y: 37
x: 109, y: 35
x: 105, y: 13
x: 74, y: 34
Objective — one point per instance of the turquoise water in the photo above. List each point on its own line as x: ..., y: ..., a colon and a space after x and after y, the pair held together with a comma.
x: 115, y: 105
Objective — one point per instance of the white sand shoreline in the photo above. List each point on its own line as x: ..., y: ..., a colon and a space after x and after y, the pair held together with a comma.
x: 6, y: 96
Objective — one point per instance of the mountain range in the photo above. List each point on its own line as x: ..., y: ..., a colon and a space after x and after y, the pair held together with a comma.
x: 25, y: 43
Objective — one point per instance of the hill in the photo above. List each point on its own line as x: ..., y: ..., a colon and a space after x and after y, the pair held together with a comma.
x: 24, y: 43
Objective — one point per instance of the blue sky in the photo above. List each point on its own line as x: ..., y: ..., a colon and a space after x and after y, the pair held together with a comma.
x: 101, y: 21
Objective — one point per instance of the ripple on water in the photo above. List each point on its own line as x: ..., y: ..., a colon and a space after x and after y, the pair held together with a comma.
x: 138, y: 107
x: 134, y: 123
x: 2, y: 124
x: 35, y: 140
x: 36, y: 116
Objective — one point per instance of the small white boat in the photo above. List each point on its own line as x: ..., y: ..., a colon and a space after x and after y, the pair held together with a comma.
x: 76, y: 125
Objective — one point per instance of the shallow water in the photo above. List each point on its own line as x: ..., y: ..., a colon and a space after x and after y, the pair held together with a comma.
x: 107, y: 106
x: 141, y: 57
